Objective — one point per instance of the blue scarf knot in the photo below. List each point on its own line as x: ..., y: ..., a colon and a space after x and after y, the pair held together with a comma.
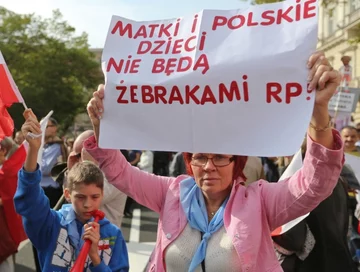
x: 193, y: 203
x: 206, y: 235
x: 74, y: 228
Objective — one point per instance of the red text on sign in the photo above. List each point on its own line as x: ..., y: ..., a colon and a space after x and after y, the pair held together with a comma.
x: 302, y: 10
x: 183, y: 64
x: 123, y: 66
x: 275, y: 91
x: 146, y: 31
x: 166, y: 47
x: 172, y: 46
x: 184, y: 95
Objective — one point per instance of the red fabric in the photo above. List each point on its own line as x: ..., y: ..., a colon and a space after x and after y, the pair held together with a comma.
x: 7, y: 92
x: 6, y: 122
x: 8, y: 185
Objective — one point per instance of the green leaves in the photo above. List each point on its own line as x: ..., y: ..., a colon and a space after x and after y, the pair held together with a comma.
x: 52, y: 67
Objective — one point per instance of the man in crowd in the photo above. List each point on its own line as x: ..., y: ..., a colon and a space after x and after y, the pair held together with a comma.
x: 349, y: 136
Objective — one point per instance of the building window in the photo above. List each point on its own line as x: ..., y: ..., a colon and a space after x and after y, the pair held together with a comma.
x: 354, y: 5
x: 331, y: 24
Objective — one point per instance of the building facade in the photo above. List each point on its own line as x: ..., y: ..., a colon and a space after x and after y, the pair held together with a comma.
x: 338, y: 25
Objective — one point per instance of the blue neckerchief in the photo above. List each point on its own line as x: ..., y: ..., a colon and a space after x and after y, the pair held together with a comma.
x: 192, y: 201
x: 74, y: 227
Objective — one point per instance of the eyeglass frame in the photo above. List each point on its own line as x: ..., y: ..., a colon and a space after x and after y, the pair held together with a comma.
x: 231, y: 159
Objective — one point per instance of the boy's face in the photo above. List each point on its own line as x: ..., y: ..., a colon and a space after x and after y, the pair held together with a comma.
x: 85, y: 199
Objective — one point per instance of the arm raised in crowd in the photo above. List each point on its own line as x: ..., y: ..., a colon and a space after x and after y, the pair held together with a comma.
x: 30, y: 200
x: 324, y: 80
x: 147, y: 189
x: 324, y: 159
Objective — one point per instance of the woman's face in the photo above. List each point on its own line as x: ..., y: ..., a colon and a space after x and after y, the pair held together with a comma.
x: 213, y: 173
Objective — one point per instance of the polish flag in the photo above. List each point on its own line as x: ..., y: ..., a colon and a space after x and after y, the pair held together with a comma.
x: 9, y: 94
x: 6, y: 122
x: 8, y: 184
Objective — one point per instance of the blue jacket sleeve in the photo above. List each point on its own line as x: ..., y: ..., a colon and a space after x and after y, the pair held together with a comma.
x: 34, y: 207
x: 119, y: 261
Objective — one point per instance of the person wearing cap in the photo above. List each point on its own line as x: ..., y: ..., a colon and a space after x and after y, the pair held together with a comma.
x: 345, y: 72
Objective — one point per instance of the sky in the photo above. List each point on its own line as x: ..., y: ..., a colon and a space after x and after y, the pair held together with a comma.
x: 93, y: 16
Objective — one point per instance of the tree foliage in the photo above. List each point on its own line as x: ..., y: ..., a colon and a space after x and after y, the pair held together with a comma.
x: 52, y: 67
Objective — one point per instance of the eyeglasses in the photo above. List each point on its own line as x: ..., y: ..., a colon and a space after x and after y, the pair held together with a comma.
x: 217, y: 160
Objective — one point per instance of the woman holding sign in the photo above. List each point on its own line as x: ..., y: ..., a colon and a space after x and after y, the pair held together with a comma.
x: 209, y: 221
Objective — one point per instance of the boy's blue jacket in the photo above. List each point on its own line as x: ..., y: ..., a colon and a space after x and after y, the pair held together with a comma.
x: 49, y: 232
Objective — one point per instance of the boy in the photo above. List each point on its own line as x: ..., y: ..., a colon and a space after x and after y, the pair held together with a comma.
x: 59, y: 235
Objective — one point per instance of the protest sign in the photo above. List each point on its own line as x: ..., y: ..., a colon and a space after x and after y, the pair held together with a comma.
x: 341, y: 106
x: 354, y: 163
x: 220, y: 81
x: 344, y: 100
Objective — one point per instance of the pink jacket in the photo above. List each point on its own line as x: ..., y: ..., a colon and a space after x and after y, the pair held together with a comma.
x: 251, y: 213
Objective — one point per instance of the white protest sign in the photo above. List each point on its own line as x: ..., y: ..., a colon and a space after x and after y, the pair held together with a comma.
x: 341, y: 119
x: 219, y: 81
x: 43, y: 124
x: 354, y: 163
x: 342, y: 101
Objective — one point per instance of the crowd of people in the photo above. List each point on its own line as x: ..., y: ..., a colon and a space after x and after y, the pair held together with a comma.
x: 217, y: 211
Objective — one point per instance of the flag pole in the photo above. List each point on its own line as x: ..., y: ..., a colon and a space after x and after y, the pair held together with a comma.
x: 337, y: 106
x: 24, y: 104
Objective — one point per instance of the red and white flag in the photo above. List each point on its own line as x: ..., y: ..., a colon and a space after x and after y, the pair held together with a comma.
x: 6, y: 122
x: 9, y: 94
x: 8, y: 185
